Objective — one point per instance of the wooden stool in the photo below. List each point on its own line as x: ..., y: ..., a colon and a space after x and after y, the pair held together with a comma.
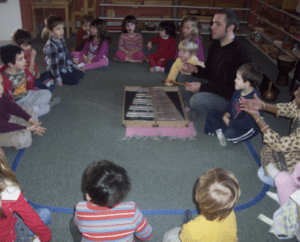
x: 285, y: 63
x: 89, y: 6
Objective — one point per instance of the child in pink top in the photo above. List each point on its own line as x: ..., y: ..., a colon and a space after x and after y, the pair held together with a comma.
x: 95, y: 50
x: 130, y: 46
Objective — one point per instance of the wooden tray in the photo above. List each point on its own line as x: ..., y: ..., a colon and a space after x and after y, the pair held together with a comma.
x: 172, y: 92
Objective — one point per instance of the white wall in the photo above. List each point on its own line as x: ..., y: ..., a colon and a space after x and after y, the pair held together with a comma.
x: 10, y: 19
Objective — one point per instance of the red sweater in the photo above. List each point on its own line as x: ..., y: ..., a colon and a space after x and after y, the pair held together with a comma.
x: 15, y: 202
x: 82, y: 37
x: 28, y: 58
x: 7, y: 108
x: 166, y: 47
x: 7, y: 84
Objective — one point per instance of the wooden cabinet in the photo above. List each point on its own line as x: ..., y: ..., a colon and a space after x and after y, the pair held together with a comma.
x: 277, y: 27
x: 156, y: 11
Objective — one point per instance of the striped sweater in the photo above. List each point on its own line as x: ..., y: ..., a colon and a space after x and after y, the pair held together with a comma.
x: 131, y: 43
x: 118, y: 224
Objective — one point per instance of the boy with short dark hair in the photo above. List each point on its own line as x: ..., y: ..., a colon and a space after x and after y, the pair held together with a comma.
x: 217, y: 192
x: 22, y: 38
x: 235, y: 125
x: 104, y: 217
x: 18, y: 82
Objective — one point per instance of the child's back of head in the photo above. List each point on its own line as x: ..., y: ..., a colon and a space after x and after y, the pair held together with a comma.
x: 106, y: 183
x: 8, y: 53
x: 217, y: 192
x: 21, y: 36
x: 252, y: 73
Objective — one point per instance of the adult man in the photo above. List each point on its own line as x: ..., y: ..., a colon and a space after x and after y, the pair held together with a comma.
x: 225, y: 55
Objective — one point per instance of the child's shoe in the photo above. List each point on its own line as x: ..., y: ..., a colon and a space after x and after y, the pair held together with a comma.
x: 55, y: 101
x: 221, y: 137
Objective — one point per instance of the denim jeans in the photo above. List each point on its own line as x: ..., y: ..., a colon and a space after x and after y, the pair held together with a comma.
x: 202, y: 102
x: 44, y: 214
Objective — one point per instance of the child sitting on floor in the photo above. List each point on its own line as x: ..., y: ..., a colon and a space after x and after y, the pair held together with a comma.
x: 95, y: 50
x: 58, y: 58
x: 18, y: 82
x: 130, y: 46
x: 14, y: 205
x: 167, y: 47
x: 188, y: 50
x: 16, y: 124
x: 22, y: 38
x: 84, y: 32
x: 236, y: 125
x: 217, y: 192
x: 104, y: 217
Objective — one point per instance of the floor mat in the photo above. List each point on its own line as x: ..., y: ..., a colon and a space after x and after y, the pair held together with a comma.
x: 157, y: 133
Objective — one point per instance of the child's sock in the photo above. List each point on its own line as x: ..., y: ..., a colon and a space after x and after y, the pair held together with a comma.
x: 273, y: 195
x: 159, y: 69
x: 272, y: 170
x: 55, y: 101
x: 221, y: 137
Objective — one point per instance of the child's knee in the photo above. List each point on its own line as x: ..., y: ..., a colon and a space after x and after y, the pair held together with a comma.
x: 23, y: 139
x: 283, y: 178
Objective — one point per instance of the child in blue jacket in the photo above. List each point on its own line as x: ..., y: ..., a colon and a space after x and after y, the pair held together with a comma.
x: 235, y: 125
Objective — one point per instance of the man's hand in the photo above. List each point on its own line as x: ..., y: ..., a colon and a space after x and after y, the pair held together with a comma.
x: 188, y: 68
x: 193, y: 86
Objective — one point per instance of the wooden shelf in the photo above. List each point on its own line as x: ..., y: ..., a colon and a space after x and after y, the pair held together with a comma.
x: 174, y: 8
x: 168, y: 6
x: 270, y: 40
x: 275, y: 26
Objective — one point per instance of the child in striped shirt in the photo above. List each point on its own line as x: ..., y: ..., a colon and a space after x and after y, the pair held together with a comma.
x: 130, y: 46
x: 103, y: 216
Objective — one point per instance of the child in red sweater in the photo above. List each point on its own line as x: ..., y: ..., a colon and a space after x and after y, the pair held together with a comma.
x: 84, y: 32
x: 166, y: 45
x: 12, y: 202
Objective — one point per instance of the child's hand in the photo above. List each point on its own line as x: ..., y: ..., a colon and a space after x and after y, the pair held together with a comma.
x: 36, y: 128
x: 60, y: 84
x: 226, y: 119
x: 82, y: 69
x: 33, y: 53
x: 162, y: 59
x: 35, y: 239
x: 149, y: 45
x: 38, y: 75
x: 75, y: 60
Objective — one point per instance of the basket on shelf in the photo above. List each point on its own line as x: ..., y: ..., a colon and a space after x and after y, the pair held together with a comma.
x: 111, y: 13
x: 58, y: 1
x: 158, y: 2
x: 133, y: 2
x: 151, y: 26
x: 141, y: 26
x: 203, y: 3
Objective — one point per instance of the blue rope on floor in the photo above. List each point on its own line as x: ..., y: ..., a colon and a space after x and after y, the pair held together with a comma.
x: 240, y: 207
